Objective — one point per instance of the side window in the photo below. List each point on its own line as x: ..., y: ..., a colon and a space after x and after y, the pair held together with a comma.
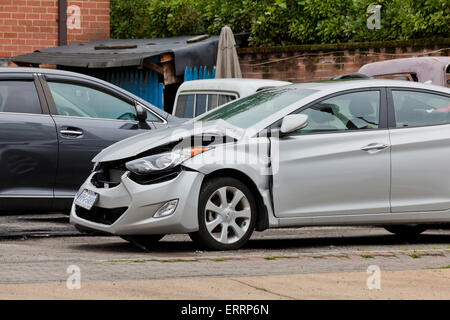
x: 80, y: 101
x: 185, y: 106
x: 19, y: 97
x: 351, y: 111
x: 414, y: 109
x: 225, y: 98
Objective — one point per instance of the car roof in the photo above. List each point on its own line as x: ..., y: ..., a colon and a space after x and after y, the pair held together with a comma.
x: 426, y: 68
x: 239, y: 85
x: 340, y: 85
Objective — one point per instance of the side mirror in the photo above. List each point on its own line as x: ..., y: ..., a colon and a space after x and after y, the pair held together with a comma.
x: 141, y: 113
x: 141, y: 116
x: 293, y: 122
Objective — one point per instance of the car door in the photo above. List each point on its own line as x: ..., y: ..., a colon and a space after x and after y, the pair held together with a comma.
x: 420, y: 137
x: 89, y: 117
x: 339, y: 164
x: 28, y: 145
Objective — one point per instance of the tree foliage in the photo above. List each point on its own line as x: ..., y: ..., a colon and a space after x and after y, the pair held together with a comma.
x: 281, y: 22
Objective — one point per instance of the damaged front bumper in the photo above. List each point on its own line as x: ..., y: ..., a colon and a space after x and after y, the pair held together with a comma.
x: 128, y: 207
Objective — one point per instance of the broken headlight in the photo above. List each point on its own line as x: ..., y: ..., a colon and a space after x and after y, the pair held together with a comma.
x: 163, y: 161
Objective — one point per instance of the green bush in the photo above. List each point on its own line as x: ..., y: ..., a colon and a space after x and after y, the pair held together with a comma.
x: 281, y: 22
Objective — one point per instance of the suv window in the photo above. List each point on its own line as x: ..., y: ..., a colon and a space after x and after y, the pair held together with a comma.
x: 351, y: 111
x: 19, y: 96
x: 225, y: 98
x: 414, y: 109
x: 80, y: 101
x: 195, y: 104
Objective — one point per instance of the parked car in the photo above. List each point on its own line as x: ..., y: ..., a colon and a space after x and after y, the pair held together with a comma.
x: 362, y: 152
x: 435, y: 70
x: 199, y: 96
x: 52, y: 123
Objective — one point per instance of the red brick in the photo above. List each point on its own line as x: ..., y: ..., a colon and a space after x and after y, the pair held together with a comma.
x: 99, y: 11
x: 100, y: 25
x: 40, y: 9
x: 5, y: 28
x: 5, y: 15
x: 4, y: 41
x: 10, y: 48
x: 32, y: 41
x: 18, y: 15
x: 33, y: 3
x: 32, y: 16
x: 10, y: 35
x: 11, y: 22
x: 18, y: 28
x: 90, y: 4
x: 49, y: 3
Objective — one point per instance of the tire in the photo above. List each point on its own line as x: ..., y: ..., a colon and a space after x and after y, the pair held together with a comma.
x: 144, y: 241
x: 226, y: 214
x: 406, y: 231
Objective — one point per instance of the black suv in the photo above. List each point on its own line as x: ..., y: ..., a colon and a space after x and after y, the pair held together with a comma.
x: 52, y: 123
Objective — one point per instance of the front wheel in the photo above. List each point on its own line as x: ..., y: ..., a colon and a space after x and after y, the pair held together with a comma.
x: 406, y: 231
x: 226, y: 214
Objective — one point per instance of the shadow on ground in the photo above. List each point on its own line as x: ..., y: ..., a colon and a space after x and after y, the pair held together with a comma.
x: 165, y: 246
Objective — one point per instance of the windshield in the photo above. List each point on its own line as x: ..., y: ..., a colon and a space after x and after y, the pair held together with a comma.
x: 248, y: 111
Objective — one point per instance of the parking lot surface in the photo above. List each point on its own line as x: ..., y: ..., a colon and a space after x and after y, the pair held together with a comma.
x: 37, y: 251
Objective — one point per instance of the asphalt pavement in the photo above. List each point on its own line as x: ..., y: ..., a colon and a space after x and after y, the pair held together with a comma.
x: 37, y: 252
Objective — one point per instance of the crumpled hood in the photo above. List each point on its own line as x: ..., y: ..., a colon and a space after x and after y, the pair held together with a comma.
x: 135, y: 145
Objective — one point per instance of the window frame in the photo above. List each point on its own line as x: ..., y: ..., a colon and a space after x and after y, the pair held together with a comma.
x: 92, y: 85
x: 28, y: 77
x: 383, y: 112
x: 392, y: 121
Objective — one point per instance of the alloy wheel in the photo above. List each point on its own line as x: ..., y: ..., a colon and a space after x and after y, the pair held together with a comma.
x: 227, y: 215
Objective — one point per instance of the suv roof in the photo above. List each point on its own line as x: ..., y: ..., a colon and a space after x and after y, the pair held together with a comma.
x: 239, y: 85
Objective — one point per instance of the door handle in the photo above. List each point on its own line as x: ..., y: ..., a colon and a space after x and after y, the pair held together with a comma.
x: 71, y: 132
x: 375, y: 147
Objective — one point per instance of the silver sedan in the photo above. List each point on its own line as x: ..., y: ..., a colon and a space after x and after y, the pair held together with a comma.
x: 363, y: 152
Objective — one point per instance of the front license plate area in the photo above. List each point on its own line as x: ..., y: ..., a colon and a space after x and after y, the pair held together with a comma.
x: 86, y: 199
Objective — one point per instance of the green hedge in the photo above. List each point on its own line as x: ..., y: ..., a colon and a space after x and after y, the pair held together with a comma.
x: 281, y: 22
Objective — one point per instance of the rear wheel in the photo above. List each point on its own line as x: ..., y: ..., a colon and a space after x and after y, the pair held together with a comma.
x: 226, y: 214
x: 406, y: 231
x: 144, y: 241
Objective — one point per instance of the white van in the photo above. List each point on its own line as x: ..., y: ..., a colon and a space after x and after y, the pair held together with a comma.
x: 198, y: 96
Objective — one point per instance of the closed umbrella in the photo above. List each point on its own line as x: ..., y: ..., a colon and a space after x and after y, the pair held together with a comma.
x: 227, y: 58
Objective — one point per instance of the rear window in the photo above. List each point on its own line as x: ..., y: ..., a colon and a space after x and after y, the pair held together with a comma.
x: 19, y: 97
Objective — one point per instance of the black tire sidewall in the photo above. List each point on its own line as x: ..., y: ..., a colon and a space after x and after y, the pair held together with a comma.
x: 203, y: 237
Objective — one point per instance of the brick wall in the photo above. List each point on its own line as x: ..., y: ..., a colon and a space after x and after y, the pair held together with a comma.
x: 319, y: 62
x: 28, y: 25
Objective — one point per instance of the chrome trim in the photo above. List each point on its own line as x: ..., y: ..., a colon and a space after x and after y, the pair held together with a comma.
x: 31, y: 114
x: 71, y: 132
x: 90, y: 118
